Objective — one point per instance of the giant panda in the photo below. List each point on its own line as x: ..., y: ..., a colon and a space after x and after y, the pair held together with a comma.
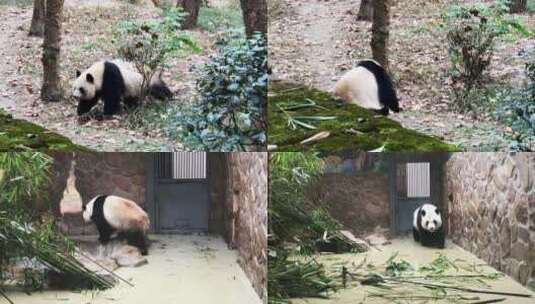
x: 112, y: 81
x: 369, y: 86
x: 427, y: 227
x: 116, y: 214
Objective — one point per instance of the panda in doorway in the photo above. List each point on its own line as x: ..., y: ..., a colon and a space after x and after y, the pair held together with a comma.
x: 427, y: 226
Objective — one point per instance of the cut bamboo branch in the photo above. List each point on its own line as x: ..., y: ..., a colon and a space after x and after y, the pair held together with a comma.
x: 512, y: 294
x: 5, y: 297
x: 490, y: 301
x: 317, y: 137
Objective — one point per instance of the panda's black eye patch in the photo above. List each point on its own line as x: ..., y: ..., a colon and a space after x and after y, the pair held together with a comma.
x: 89, y: 78
x: 435, y: 222
x: 423, y: 212
x: 82, y: 91
x: 438, y: 212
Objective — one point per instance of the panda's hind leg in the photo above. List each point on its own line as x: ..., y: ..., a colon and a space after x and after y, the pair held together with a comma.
x: 138, y: 239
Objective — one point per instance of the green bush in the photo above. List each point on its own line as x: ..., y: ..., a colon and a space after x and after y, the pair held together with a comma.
x: 230, y: 112
x: 518, y: 112
x: 472, y: 31
x: 150, y: 44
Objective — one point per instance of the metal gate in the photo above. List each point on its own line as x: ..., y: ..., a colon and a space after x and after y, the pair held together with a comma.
x: 415, y: 179
x: 178, y: 192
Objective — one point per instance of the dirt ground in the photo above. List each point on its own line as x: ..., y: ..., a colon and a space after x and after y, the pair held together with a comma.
x: 87, y: 30
x: 417, y: 256
x: 316, y: 41
x: 180, y: 269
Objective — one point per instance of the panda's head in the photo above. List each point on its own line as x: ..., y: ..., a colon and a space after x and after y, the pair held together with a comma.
x: 88, y: 211
x: 430, y: 217
x: 84, y: 90
x: 84, y: 86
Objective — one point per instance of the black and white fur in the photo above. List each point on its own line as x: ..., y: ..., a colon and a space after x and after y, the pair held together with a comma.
x: 427, y: 226
x: 369, y: 86
x: 113, y: 81
x: 116, y: 214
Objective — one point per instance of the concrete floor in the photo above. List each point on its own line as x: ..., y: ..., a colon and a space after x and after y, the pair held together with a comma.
x: 180, y: 269
x: 417, y: 256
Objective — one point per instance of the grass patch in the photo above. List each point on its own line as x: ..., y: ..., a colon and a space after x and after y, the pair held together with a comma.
x: 217, y: 19
x: 353, y: 128
x: 17, y: 135
x: 150, y: 116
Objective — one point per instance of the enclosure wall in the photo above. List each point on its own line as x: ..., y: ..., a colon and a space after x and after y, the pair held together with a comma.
x: 354, y: 189
x: 248, y: 182
x: 121, y: 174
x: 491, y: 201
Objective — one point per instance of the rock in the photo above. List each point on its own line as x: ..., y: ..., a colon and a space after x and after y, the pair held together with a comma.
x: 129, y: 256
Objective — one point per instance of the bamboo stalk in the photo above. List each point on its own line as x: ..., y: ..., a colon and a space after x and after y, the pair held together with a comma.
x: 490, y: 301
x: 5, y: 296
x: 512, y: 294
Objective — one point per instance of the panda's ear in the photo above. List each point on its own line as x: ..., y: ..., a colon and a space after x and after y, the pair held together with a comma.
x: 78, y: 73
x: 90, y: 78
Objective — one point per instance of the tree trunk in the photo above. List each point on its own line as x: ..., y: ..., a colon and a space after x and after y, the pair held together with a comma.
x: 254, y: 16
x: 191, y: 7
x: 37, y: 27
x: 365, y: 10
x: 380, y: 33
x: 51, y: 49
x: 518, y: 6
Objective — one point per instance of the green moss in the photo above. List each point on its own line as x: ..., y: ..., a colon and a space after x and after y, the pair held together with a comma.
x: 354, y: 128
x: 16, y: 135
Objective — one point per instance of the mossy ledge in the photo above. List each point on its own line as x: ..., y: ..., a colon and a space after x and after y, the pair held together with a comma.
x: 354, y: 128
x: 17, y: 135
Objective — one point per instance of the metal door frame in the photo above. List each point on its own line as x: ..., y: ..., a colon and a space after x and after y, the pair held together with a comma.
x: 150, y: 194
x: 436, y: 162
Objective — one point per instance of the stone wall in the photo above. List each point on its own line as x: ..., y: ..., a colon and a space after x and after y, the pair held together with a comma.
x: 354, y: 189
x: 248, y: 200
x: 491, y: 209
x: 360, y: 202
x: 121, y: 174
